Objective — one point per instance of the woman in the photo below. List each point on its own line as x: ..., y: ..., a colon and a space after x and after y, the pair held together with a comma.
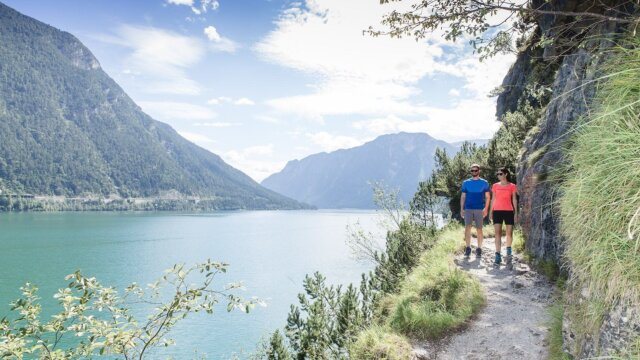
x: 503, y: 207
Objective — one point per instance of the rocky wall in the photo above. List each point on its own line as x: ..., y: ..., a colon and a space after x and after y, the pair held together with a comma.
x: 573, y: 70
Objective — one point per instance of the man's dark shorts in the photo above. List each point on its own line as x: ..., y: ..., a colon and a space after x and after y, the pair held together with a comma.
x: 501, y: 216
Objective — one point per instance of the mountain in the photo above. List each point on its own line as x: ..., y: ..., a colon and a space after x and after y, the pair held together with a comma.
x: 67, y: 128
x: 341, y: 179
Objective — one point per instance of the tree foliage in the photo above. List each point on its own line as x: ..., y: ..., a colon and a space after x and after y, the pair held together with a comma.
x: 329, y: 317
x: 98, y: 320
x: 492, y: 25
x: 426, y: 203
x: 451, y: 171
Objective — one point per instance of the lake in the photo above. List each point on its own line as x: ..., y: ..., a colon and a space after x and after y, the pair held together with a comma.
x: 269, y: 251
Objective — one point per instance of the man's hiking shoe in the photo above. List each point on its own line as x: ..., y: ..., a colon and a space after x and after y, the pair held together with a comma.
x: 467, y: 251
x: 498, y: 259
x: 478, y: 252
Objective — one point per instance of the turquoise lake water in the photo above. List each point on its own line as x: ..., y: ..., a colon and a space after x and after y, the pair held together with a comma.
x: 269, y: 251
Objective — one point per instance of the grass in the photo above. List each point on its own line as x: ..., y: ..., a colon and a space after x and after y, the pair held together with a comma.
x: 537, y: 155
x: 600, y: 206
x: 550, y: 269
x: 436, y: 297
x: 518, y: 244
x: 378, y: 342
x: 487, y: 231
x: 554, y: 338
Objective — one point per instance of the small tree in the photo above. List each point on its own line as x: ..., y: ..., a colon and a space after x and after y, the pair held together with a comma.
x: 277, y: 349
x: 426, y: 203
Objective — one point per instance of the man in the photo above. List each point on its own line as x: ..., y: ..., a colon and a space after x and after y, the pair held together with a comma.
x: 474, y: 206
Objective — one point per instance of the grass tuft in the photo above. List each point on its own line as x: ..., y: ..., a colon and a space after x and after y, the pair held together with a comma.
x: 436, y: 297
x: 518, y: 244
x: 379, y: 342
x: 555, y: 339
x: 601, y: 194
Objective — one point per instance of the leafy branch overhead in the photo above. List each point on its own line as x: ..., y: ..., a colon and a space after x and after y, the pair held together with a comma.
x: 492, y: 24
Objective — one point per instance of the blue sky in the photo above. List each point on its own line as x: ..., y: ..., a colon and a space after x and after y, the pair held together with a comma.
x: 262, y: 82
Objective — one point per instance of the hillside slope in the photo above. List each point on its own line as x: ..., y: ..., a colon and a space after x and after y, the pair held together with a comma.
x: 66, y: 128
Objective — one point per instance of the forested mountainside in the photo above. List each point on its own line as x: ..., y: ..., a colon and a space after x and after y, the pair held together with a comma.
x: 67, y: 128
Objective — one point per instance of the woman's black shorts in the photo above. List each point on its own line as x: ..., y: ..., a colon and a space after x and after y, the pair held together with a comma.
x: 501, y: 216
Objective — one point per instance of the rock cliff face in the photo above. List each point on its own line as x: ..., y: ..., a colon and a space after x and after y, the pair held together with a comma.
x: 572, y: 70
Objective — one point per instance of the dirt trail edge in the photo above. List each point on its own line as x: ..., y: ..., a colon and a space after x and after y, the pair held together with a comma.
x: 512, y: 325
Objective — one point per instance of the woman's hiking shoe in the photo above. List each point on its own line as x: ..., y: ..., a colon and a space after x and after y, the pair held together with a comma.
x: 467, y: 251
x: 498, y: 259
x: 478, y: 252
x: 508, y: 250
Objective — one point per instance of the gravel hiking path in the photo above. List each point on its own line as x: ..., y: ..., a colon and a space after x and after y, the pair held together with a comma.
x: 512, y: 325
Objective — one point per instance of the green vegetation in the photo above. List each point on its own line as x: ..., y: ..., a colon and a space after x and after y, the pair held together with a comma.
x: 436, y: 296
x: 426, y: 297
x: 490, y: 34
x: 18, y: 203
x: 554, y: 336
x: 451, y: 171
x: 600, y: 206
x: 67, y: 129
x: 518, y: 244
x: 100, y: 320
x: 503, y: 150
x: 378, y: 342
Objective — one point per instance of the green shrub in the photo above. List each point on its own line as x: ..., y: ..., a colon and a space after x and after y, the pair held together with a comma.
x: 380, y: 343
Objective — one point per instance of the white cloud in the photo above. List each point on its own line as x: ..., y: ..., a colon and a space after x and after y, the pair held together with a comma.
x: 168, y: 111
x: 220, y: 43
x: 358, y: 75
x: 198, y: 139
x: 244, y: 101
x: 225, y: 99
x: 198, y: 7
x: 219, y: 100
x: 267, y: 119
x: 255, y: 161
x: 219, y: 124
x: 159, y: 57
x: 470, y: 119
x: 212, y: 34
x: 329, y: 142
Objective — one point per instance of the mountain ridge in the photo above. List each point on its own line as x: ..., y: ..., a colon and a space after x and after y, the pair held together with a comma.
x: 67, y: 128
x: 342, y: 178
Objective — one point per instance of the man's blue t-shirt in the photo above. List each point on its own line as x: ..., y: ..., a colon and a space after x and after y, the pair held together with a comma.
x: 475, y: 190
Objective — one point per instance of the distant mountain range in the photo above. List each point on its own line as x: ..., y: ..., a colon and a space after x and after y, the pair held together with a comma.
x: 66, y: 128
x: 342, y: 179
